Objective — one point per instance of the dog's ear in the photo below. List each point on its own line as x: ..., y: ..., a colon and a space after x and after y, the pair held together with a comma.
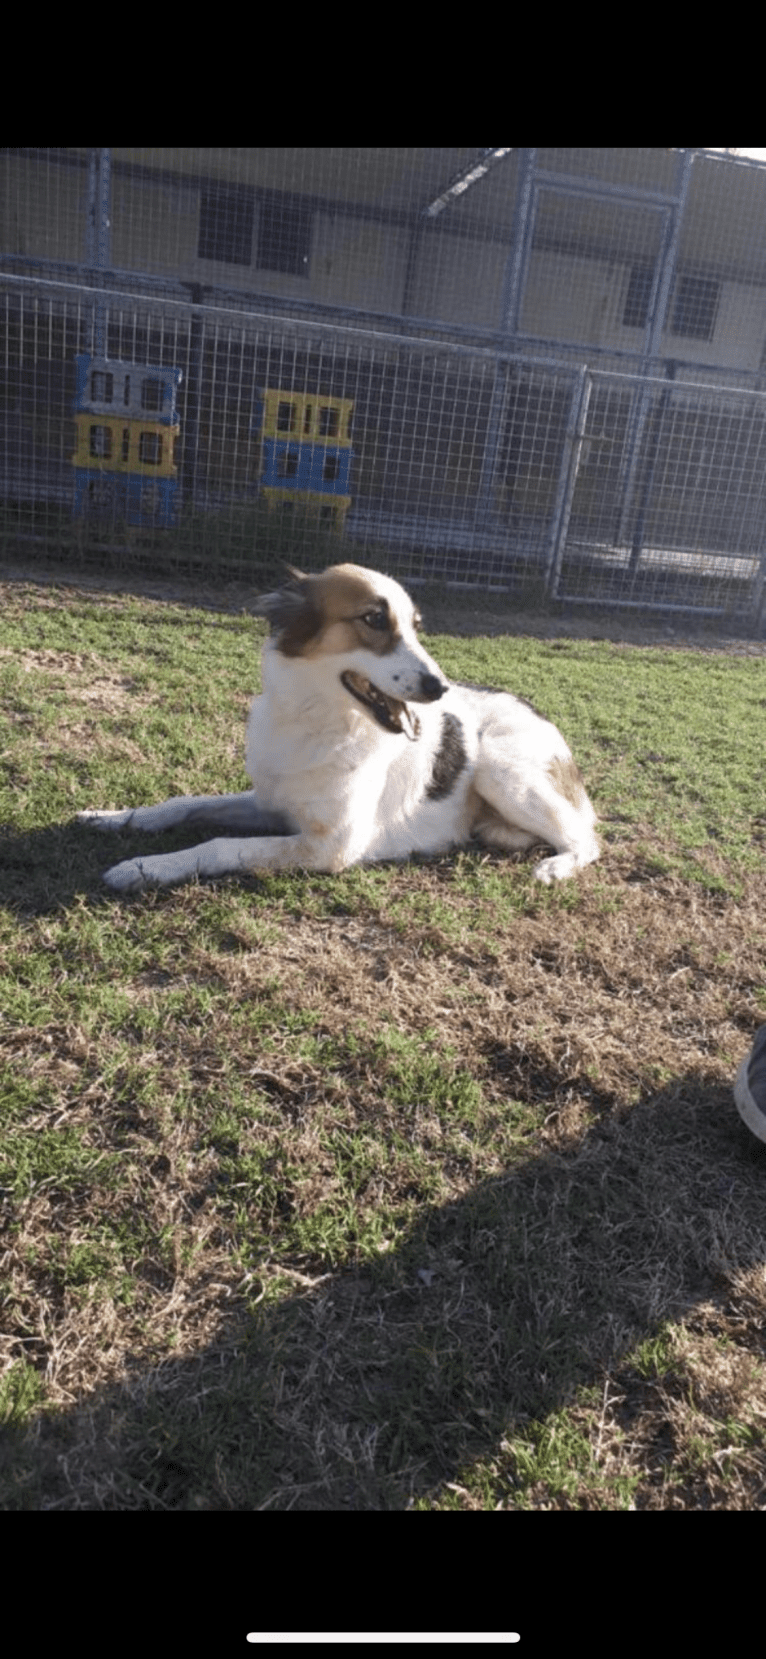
x: 291, y: 613
x: 268, y: 604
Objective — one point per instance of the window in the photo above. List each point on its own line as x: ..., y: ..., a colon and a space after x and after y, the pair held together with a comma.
x: 328, y: 422
x: 287, y: 464
x: 226, y: 226
x: 151, y: 394
x: 694, y: 306
x: 284, y: 236
x: 101, y: 442
x: 150, y: 449
x: 101, y: 386
x: 638, y: 296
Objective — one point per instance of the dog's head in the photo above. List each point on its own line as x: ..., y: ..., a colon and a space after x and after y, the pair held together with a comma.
x: 369, y: 625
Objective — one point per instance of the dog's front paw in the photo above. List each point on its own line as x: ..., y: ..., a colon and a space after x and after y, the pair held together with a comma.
x: 106, y: 820
x: 128, y: 877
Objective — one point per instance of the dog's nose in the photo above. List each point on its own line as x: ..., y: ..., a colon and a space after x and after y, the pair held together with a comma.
x: 431, y: 688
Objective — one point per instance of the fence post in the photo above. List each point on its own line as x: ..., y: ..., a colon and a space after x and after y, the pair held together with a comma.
x: 509, y: 323
x: 666, y: 266
x: 759, y: 594
x: 570, y: 466
x: 190, y: 459
x: 98, y: 239
x: 652, y: 448
x: 521, y: 232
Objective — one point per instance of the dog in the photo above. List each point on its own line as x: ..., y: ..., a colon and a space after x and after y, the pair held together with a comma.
x: 360, y: 750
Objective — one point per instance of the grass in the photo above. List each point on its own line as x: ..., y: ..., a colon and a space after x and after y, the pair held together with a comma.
x: 414, y: 1187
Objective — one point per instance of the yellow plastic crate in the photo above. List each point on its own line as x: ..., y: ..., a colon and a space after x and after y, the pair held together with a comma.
x: 145, y: 448
x: 306, y: 417
x: 329, y: 509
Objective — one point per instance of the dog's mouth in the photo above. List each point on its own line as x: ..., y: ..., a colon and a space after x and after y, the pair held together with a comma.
x: 389, y: 712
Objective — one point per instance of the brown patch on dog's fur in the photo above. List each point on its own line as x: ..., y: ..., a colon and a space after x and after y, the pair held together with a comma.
x: 567, y: 779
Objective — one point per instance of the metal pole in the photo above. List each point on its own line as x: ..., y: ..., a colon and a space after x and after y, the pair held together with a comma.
x: 98, y: 235
x: 520, y: 234
x: 570, y: 466
x: 658, y: 308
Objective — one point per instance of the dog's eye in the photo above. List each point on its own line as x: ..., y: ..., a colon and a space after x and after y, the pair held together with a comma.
x: 375, y: 619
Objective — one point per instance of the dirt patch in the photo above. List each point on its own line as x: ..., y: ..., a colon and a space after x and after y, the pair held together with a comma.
x: 85, y: 678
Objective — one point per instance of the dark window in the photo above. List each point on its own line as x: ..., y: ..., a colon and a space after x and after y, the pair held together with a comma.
x: 102, y: 386
x: 695, y: 306
x: 151, y: 394
x: 328, y: 422
x: 284, y: 236
x: 101, y: 442
x: 150, y: 448
x: 287, y: 464
x: 639, y: 294
x: 226, y: 226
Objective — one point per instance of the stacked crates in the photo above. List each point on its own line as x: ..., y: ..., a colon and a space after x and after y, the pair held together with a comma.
x: 306, y: 451
x: 126, y: 424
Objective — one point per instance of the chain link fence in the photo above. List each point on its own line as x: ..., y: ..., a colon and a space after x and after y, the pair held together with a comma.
x: 541, y: 371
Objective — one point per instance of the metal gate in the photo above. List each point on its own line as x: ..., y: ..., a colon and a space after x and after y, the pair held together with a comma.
x: 664, y: 499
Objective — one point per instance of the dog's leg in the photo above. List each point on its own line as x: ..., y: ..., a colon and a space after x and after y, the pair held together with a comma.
x: 224, y: 812
x: 548, y: 805
x: 330, y: 851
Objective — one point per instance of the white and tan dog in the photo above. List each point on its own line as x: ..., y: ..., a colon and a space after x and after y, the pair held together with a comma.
x: 359, y: 750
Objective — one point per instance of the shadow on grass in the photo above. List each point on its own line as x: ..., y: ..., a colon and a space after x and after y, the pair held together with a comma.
x: 45, y: 869
x: 364, y: 1390
x: 369, y: 1388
